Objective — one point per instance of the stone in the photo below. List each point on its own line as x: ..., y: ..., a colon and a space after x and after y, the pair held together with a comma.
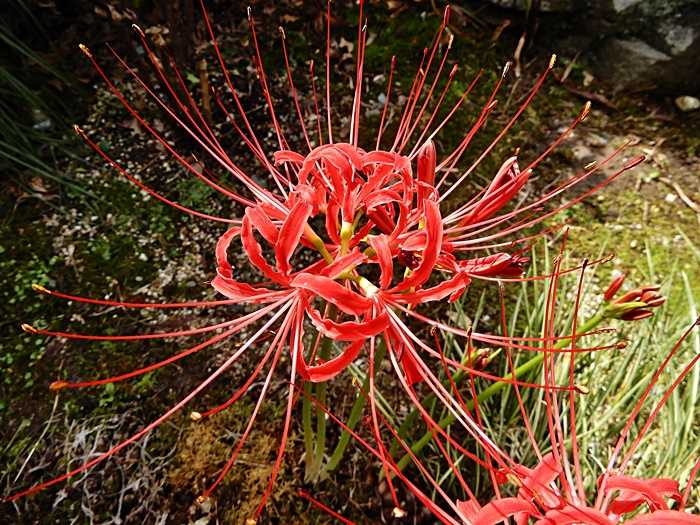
x: 582, y: 153
x: 546, y: 6
x: 621, y: 5
x: 596, y: 141
x: 629, y: 62
x: 678, y: 38
x: 638, y: 44
x: 687, y: 103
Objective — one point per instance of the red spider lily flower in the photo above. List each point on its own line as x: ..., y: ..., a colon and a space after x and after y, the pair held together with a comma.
x: 552, y: 493
x: 361, y: 212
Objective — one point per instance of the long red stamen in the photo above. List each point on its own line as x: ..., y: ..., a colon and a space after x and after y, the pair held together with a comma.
x: 297, y: 349
x: 638, y: 407
x: 145, y: 188
x: 451, y: 160
x: 452, y: 406
x: 506, y: 128
x: 421, y: 77
x: 429, y: 95
x: 234, y: 93
x: 572, y: 400
x: 263, y: 84
x: 241, y: 324
x: 251, y: 420
x: 437, y: 511
x: 511, y: 367
x: 447, y: 118
x: 361, y: 39
x: 188, y: 304
x: 315, y: 99
x: 280, y: 336
x: 176, y: 408
x: 141, y: 337
x: 328, y: 71
x: 689, y: 484
x: 224, y: 159
x: 324, y: 508
x: 200, y: 125
x: 295, y: 98
x: 387, y: 98
x: 375, y: 426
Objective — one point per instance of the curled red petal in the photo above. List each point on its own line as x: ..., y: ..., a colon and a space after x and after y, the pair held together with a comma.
x: 289, y: 235
x: 348, y: 330
x: 507, y: 182
x: 288, y: 156
x: 411, y: 369
x: 665, y: 517
x: 452, y: 287
x: 634, y: 492
x: 332, y: 223
x: 238, y: 291
x: 224, y: 267
x: 381, y: 197
x: 331, y: 368
x: 263, y: 223
x: 254, y: 253
x: 346, y: 300
x: 538, y: 480
x: 341, y: 264
x: 401, y: 221
x: 381, y: 218
x: 380, y: 244
x: 433, y: 228
x: 498, y: 510
x: 469, y: 509
x: 570, y: 515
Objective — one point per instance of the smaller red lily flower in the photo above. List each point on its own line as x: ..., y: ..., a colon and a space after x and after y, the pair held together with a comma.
x: 635, y: 304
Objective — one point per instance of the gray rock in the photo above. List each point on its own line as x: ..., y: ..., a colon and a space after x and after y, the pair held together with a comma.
x: 546, y: 6
x: 621, y: 5
x: 632, y: 43
x: 678, y: 38
x: 630, y: 63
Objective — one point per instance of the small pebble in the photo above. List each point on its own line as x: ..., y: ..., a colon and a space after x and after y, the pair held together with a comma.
x: 687, y: 103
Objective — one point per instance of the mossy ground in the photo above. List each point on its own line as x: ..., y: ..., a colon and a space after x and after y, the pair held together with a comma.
x: 116, y: 243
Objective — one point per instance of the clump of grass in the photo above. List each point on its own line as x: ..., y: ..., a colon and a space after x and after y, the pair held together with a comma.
x: 613, y: 380
x: 33, y: 114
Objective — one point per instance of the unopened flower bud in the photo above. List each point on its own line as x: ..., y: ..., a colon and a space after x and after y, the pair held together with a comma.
x: 636, y: 315
x: 614, y: 287
x: 635, y: 304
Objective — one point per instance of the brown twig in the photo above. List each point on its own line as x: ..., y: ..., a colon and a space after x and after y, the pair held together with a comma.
x: 683, y: 196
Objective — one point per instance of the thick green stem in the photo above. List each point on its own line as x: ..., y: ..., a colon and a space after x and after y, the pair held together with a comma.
x: 317, y: 243
x: 324, y: 354
x: 496, y: 387
x: 307, y: 427
x: 355, y: 413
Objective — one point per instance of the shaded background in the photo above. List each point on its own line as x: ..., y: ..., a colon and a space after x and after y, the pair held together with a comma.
x: 69, y: 222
